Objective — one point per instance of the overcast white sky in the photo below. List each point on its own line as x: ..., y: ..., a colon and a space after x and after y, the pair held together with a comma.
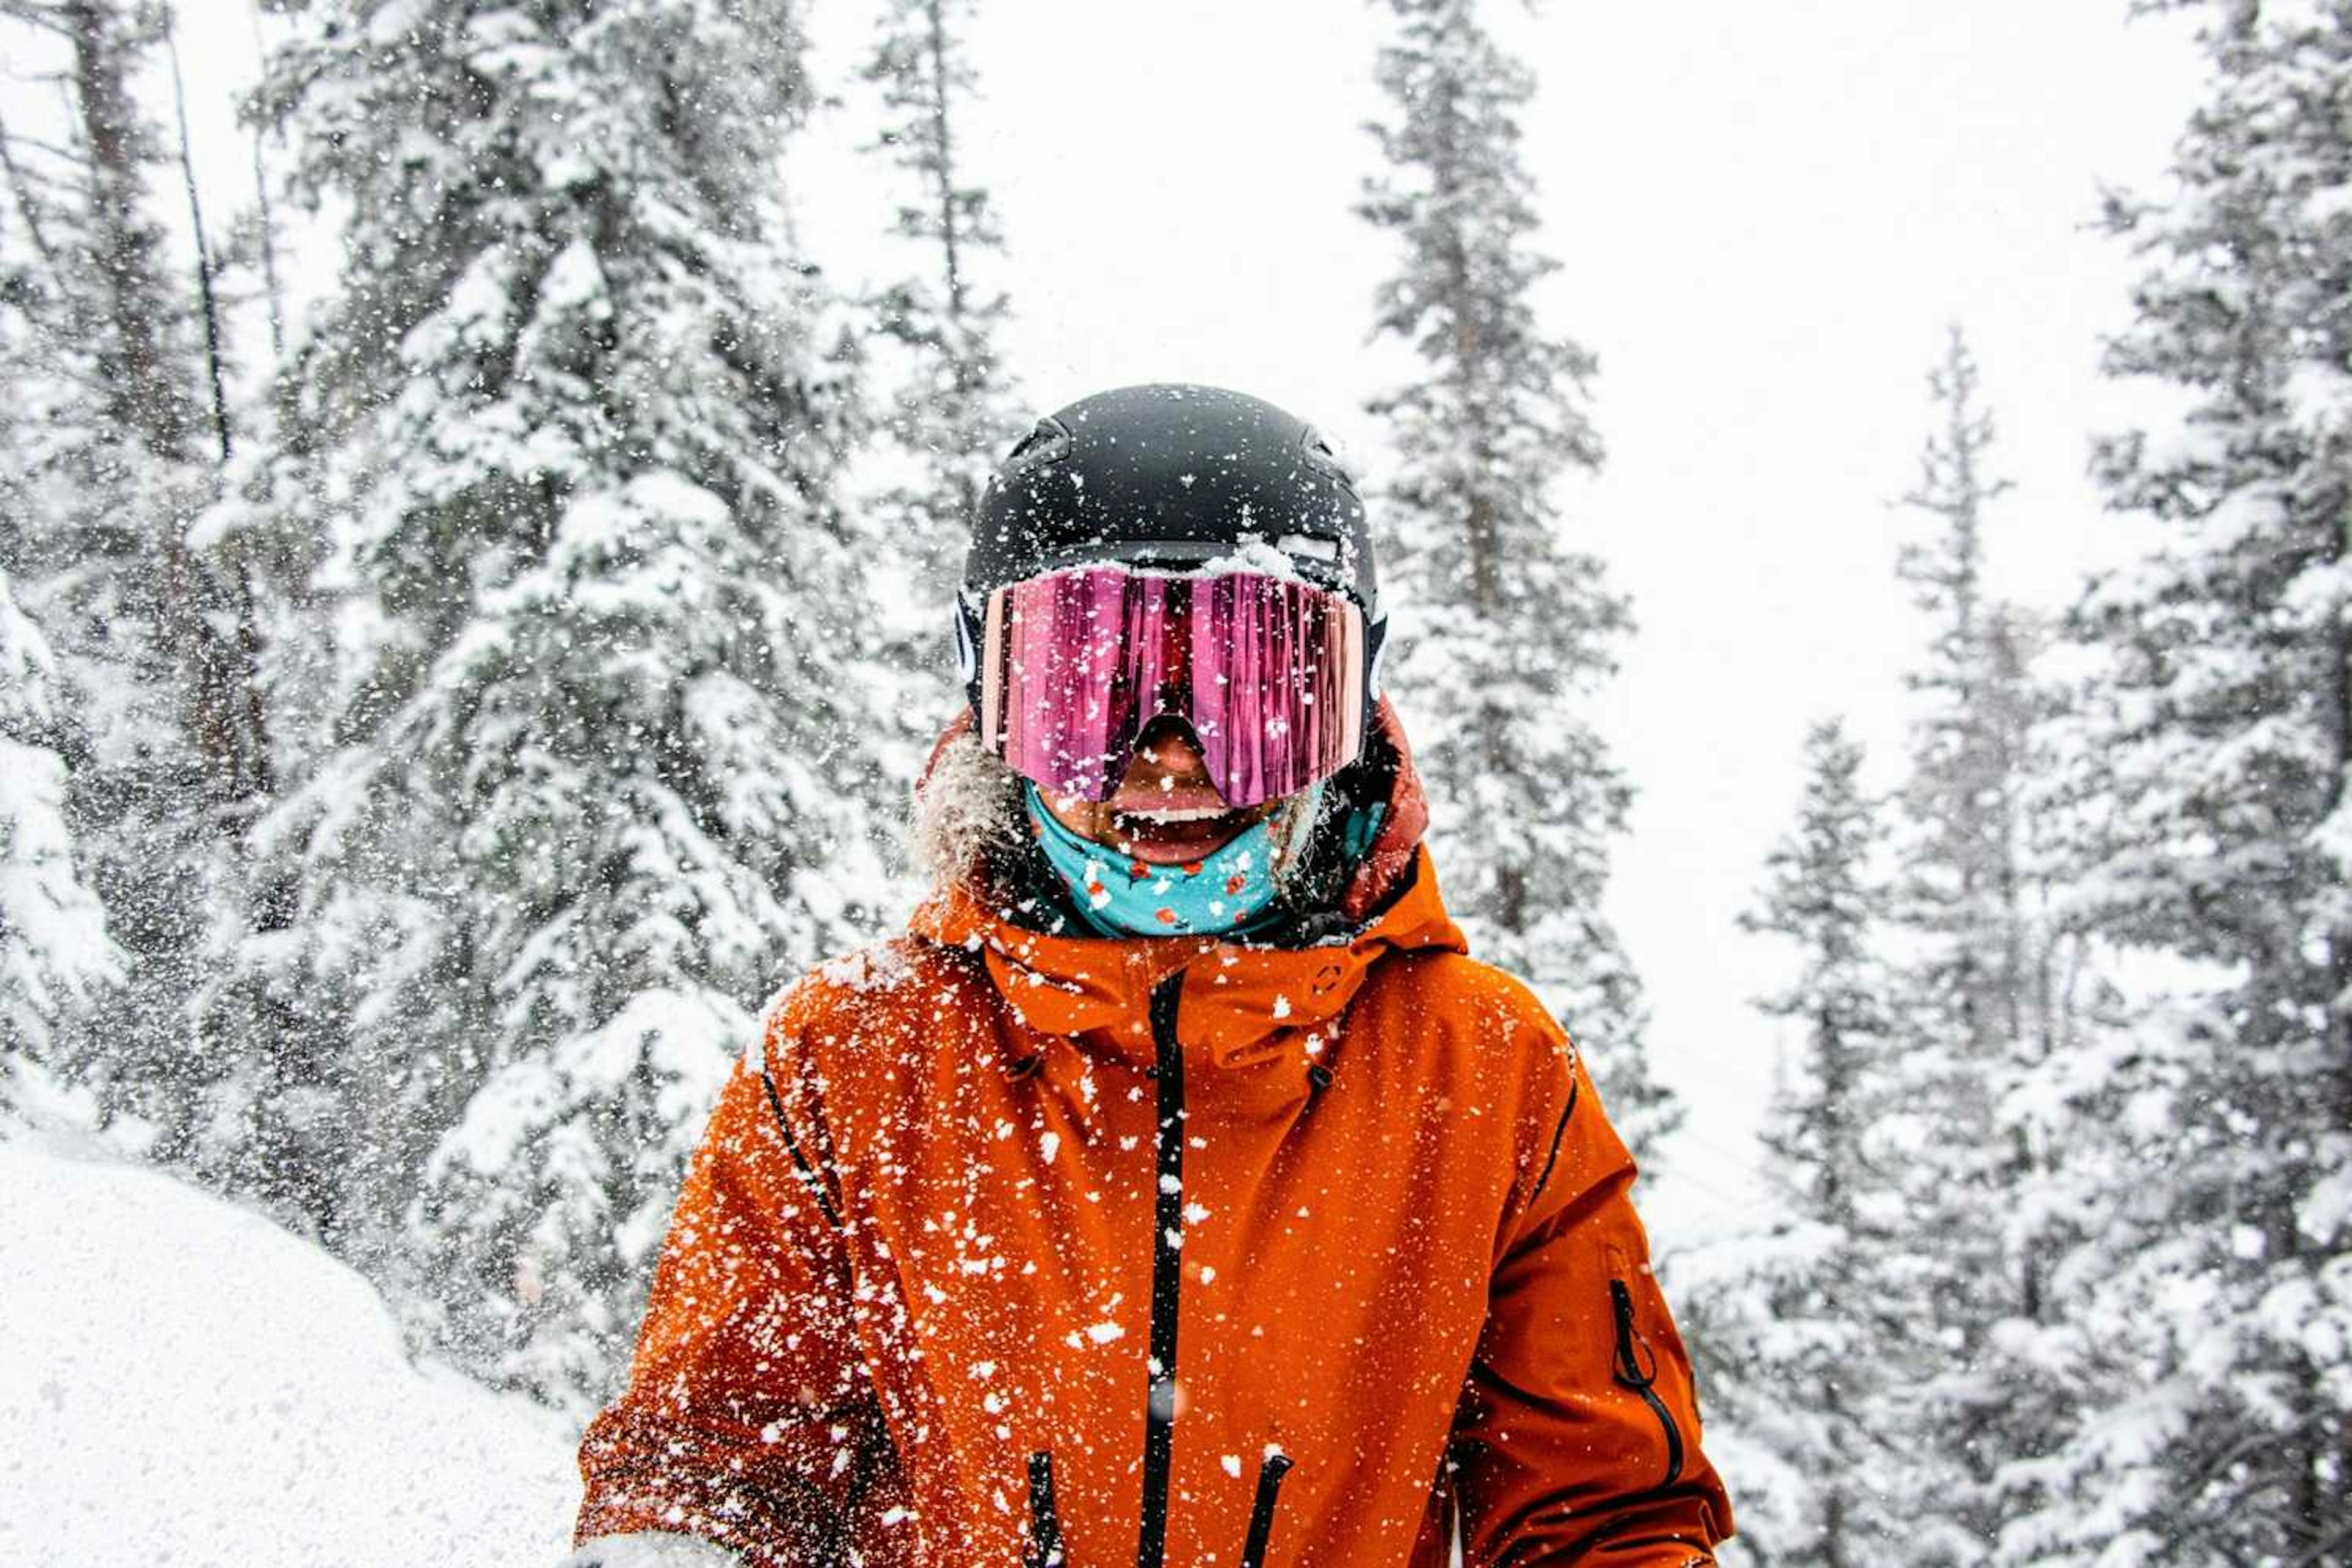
x: 1766, y: 214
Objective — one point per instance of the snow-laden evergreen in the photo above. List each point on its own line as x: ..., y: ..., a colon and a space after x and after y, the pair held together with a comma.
x: 1968, y: 1003
x: 597, y: 778
x: 2216, y: 743
x: 1504, y: 630
x: 950, y: 408
x: 107, y: 456
x: 55, y: 951
x: 1808, y: 1326
x: 1941, y: 1151
x: 1964, y: 892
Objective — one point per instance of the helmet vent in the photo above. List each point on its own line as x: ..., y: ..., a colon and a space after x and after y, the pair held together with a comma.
x: 1321, y: 457
x: 1048, y: 443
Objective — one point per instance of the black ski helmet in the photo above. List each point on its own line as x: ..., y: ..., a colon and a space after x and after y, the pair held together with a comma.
x: 1170, y: 476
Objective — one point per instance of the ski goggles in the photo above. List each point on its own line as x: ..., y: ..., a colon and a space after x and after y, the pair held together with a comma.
x: 1273, y: 675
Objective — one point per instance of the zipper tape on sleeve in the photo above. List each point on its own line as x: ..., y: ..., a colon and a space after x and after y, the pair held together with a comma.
x: 1629, y: 1371
x: 808, y: 1173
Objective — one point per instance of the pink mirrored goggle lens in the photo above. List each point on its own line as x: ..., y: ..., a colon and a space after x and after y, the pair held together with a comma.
x: 1268, y: 673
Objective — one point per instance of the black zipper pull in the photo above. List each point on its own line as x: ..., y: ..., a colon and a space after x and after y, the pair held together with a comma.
x: 1628, y: 1345
x: 1270, y: 1471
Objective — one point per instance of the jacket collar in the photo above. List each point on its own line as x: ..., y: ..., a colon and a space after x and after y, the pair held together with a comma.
x: 1242, y: 1003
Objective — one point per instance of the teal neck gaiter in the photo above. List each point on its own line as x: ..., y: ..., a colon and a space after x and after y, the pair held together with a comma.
x: 1221, y: 896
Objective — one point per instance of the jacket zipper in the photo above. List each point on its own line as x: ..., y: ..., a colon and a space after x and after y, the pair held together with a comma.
x: 1270, y: 1471
x: 1167, y: 1274
x: 1628, y: 1371
x: 1046, y: 1523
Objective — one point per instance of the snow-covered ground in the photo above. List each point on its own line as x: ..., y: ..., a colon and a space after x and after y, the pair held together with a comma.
x: 181, y: 1382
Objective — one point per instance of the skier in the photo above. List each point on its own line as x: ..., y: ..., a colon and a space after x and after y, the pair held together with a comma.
x: 1176, y: 1190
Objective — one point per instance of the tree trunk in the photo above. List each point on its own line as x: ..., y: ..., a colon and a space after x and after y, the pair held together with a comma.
x: 149, y: 404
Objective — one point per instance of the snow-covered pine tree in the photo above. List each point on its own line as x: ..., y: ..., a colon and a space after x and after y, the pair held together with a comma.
x: 1809, y: 1319
x: 2217, y: 740
x: 110, y: 457
x: 1967, y: 990
x: 589, y: 798
x: 55, y: 952
x: 2049, y: 1174
x: 952, y: 414
x: 1965, y: 890
x: 117, y: 339
x: 951, y: 409
x: 1506, y: 630
x: 283, y: 1108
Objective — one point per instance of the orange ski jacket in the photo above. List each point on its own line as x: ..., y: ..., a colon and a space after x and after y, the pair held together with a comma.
x: 1006, y: 1249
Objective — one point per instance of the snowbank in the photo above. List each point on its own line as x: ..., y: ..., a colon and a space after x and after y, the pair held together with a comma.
x: 183, y: 1382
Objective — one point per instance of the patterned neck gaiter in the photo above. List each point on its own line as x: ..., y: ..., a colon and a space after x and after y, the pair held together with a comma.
x: 1223, y: 895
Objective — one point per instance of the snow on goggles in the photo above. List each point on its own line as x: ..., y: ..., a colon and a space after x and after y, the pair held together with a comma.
x: 1270, y: 673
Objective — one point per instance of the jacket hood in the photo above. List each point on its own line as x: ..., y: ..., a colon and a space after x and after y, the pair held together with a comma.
x: 1243, y: 1004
